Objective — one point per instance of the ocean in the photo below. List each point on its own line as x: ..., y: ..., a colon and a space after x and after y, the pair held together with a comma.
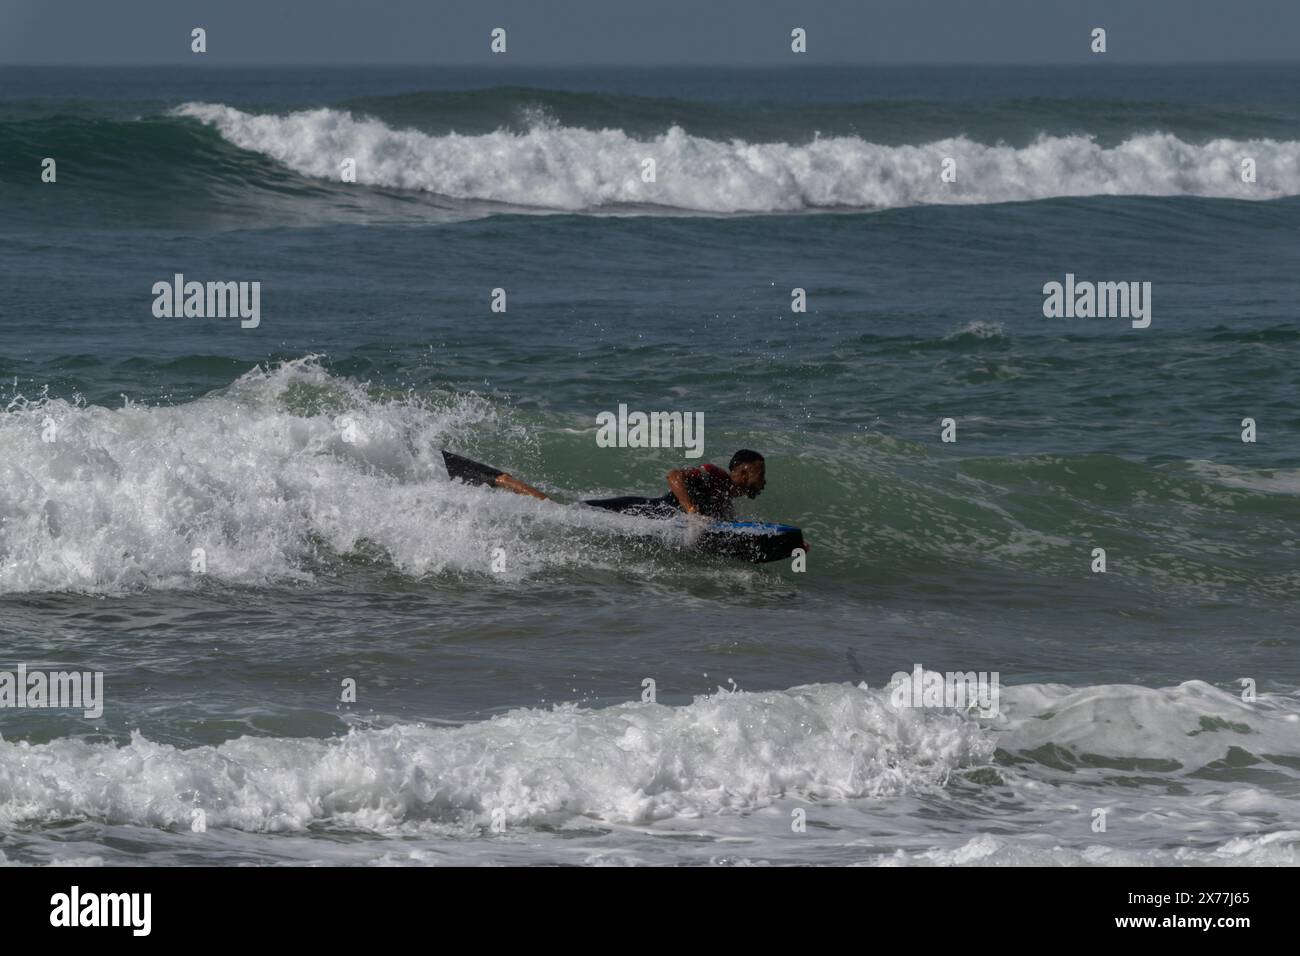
x: 316, y: 649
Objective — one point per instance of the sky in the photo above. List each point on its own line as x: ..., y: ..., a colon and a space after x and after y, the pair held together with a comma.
x: 644, y: 32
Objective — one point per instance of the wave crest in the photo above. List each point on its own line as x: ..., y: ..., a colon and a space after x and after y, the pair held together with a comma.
x: 632, y: 763
x: 565, y: 168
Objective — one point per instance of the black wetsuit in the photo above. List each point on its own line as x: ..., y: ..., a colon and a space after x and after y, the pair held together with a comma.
x: 664, y: 507
x: 708, y: 486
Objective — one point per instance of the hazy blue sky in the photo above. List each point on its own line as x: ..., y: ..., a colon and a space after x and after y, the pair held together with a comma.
x: 696, y: 32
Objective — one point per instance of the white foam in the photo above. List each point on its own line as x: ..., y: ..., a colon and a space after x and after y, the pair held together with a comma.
x: 260, y: 476
x: 714, y: 781
x: 1190, y: 725
x: 635, y: 763
x: 1280, y: 481
x: 1280, y: 848
x: 555, y: 167
x: 978, y: 329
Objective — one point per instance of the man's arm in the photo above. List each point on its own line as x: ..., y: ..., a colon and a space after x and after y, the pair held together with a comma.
x: 677, y: 484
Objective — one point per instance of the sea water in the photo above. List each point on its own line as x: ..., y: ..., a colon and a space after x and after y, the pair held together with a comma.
x: 315, y: 648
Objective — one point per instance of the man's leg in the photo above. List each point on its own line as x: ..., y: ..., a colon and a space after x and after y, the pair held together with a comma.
x: 518, y: 487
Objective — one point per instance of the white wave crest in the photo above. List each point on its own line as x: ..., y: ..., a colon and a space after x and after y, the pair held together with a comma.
x: 632, y: 763
x: 565, y: 168
x: 284, y: 469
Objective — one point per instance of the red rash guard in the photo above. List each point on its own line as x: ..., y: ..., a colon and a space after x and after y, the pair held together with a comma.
x: 710, y: 489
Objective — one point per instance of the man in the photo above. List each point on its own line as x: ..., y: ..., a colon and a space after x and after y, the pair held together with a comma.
x: 705, y: 490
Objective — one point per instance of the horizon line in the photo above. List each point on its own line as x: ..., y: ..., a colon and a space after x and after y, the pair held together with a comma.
x: 185, y: 63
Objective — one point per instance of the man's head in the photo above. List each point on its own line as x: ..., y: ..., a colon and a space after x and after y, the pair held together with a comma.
x: 748, y: 472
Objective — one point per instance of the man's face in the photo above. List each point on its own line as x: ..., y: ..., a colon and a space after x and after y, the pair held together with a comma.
x: 751, y: 477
